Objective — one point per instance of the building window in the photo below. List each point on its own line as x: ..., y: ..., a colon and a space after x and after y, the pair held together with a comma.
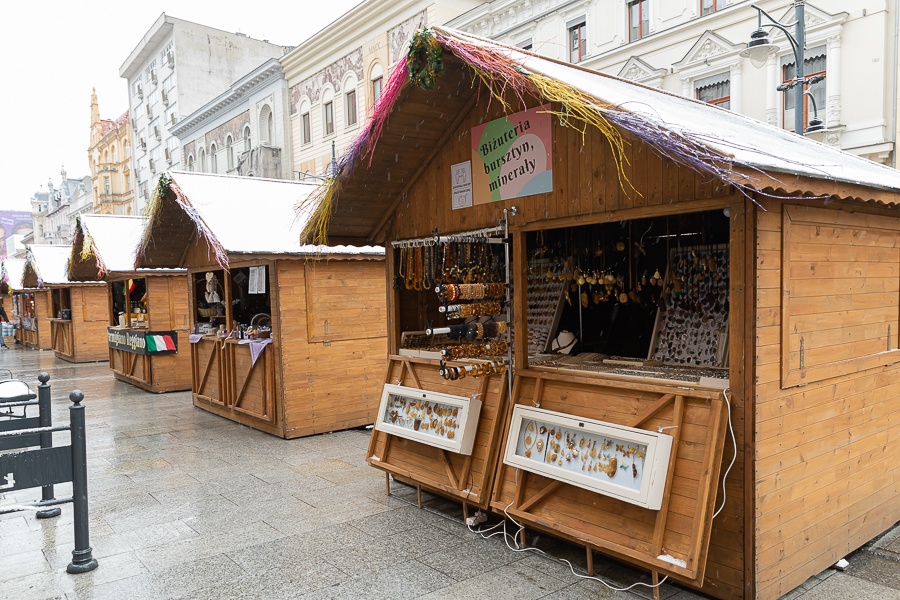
x: 710, y: 6
x: 127, y: 182
x: 528, y: 44
x: 350, y: 107
x: 229, y: 154
x: 377, y: 84
x: 813, y: 64
x: 191, y: 163
x: 213, y: 160
x: 577, y: 42
x: 329, y: 118
x: 638, y: 19
x: 265, y: 124
x: 247, y: 138
x: 307, y: 136
x: 714, y: 90
x: 136, y: 87
x: 106, y: 186
x: 203, y: 160
x: 270, y: 126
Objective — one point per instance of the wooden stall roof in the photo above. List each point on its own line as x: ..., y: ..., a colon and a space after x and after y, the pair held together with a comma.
x: 247, y: 216
x: 410, y: 124
x: 13, y: 270
x: 46, y: 265
x: 104, y: 243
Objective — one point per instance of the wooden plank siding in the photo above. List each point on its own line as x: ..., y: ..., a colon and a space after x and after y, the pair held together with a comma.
x: 83, y: 338
x: 587, y: 189
x: 827, y: 446
x: 426, y: 465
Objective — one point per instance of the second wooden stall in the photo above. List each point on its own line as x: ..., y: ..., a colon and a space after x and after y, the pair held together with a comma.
x: 148, y: 308
x: 78, y: 312
x: 287, y: 339
x: 29, y: 308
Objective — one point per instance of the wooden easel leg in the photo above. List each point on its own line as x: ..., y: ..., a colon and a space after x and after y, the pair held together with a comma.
x: 387, y: 484
x: 419, y: 495
x: 590, y: 561
x: 465, y: 512
x: 655, y: 577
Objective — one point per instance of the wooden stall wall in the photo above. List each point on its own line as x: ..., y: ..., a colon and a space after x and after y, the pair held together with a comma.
x: 90, y: 318
x: 466, y: 478
x: 331, y: 336
x: 586, y: 188
x: 827, y: 431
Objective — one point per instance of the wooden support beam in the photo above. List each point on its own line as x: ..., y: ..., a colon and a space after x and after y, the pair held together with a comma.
x: 450, y: 473
x: 541, y: 495
x: 652, y: 410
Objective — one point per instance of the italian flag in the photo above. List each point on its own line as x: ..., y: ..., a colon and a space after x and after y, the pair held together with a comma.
x: 160, y: 343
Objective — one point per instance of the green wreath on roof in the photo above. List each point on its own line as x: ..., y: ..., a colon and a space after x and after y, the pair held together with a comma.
x: 425, y: 60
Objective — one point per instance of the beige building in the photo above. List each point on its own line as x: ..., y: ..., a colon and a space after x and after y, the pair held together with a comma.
x: 109, y: 156
x: 693, y: 48
x: 335, y: 76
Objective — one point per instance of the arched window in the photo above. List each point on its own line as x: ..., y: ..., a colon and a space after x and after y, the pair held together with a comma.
x: 106, y: 156
x: 247, y: 138
x: 115, y: 154
x: 271, y: 127
x: 213, y: 161
x: 191, y: 162
x: 265, y: 124
x: 229, y: 154
x: 203, y: 160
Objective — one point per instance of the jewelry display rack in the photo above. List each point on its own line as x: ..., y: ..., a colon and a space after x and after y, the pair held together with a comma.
x: 545, y: 302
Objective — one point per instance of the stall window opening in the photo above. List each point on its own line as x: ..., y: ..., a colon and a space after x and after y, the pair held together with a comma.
x: 647, y: 291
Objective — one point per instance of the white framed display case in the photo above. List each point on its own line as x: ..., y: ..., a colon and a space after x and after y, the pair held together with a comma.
x: 433, y: 418
x: 622, y: 462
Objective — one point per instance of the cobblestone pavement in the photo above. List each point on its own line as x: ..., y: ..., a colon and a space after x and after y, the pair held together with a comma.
x: 184, y: 504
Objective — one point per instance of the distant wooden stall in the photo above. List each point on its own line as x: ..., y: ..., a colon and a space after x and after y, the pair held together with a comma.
x: 287, y: 339
x: 29, y: 307
x: 147, y: 332
x: 681, y: 301
x: 78, y: 311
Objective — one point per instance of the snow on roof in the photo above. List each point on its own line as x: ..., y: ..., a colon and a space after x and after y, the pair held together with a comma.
x: 115, y: 238
x: 747, y: 141
x: 50, y: 262
x: 13, y: 269
x: 252, y: 215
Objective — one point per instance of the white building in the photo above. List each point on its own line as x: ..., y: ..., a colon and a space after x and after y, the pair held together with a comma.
x: 174, y: 70
x: 245, y: 130
x: 54, y: 212
x: 336, y: 75
x: 692, y: 47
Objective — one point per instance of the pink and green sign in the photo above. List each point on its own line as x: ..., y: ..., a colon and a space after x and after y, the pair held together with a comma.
x: 512, y: 156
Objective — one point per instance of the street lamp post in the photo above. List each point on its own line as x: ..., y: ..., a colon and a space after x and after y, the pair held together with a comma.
x: 759, y: 48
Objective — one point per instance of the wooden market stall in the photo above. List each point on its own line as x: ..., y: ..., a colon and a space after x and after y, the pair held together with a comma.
x: 28, y: 309
x: 288, y: 339
x: 689, y: 290
x: 148, y: 308
x: 78, y: 311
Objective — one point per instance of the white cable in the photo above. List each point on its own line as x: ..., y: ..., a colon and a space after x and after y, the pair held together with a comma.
x: 733, y: 458
x: 516, y: 548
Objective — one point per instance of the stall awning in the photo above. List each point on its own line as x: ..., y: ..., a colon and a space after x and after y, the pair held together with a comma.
x: 410, y: 122
x: 47, y: 265
x: 13, y: 269
x: 104, y: 243
x: 234, y: 215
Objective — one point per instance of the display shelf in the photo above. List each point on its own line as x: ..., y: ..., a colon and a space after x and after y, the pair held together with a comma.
x: 622, y: 462
x: 545, y: 300
x: 440, y: 420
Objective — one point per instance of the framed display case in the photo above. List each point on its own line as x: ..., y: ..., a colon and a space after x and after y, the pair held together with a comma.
x: 623, y: 462
x: 440, y: 420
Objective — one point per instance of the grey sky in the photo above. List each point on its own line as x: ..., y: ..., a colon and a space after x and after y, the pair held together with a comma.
x: 54, y: 51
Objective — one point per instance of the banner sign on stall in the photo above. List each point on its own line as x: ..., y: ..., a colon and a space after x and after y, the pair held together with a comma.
x: 512, y: 156
x: 143, y: 342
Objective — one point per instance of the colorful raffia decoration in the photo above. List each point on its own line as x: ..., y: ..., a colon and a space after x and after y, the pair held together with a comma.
x: 504, y: 72
x: 164, y: 188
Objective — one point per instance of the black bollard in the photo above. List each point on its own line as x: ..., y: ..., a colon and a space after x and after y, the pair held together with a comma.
x: 46, y: 442
x: 82, y: 557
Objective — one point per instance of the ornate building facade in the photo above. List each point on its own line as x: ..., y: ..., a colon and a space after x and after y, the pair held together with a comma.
x: 336, y: 76
x: 109, y: 156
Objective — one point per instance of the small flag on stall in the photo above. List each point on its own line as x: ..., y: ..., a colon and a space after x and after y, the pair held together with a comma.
x: 160, y: 343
